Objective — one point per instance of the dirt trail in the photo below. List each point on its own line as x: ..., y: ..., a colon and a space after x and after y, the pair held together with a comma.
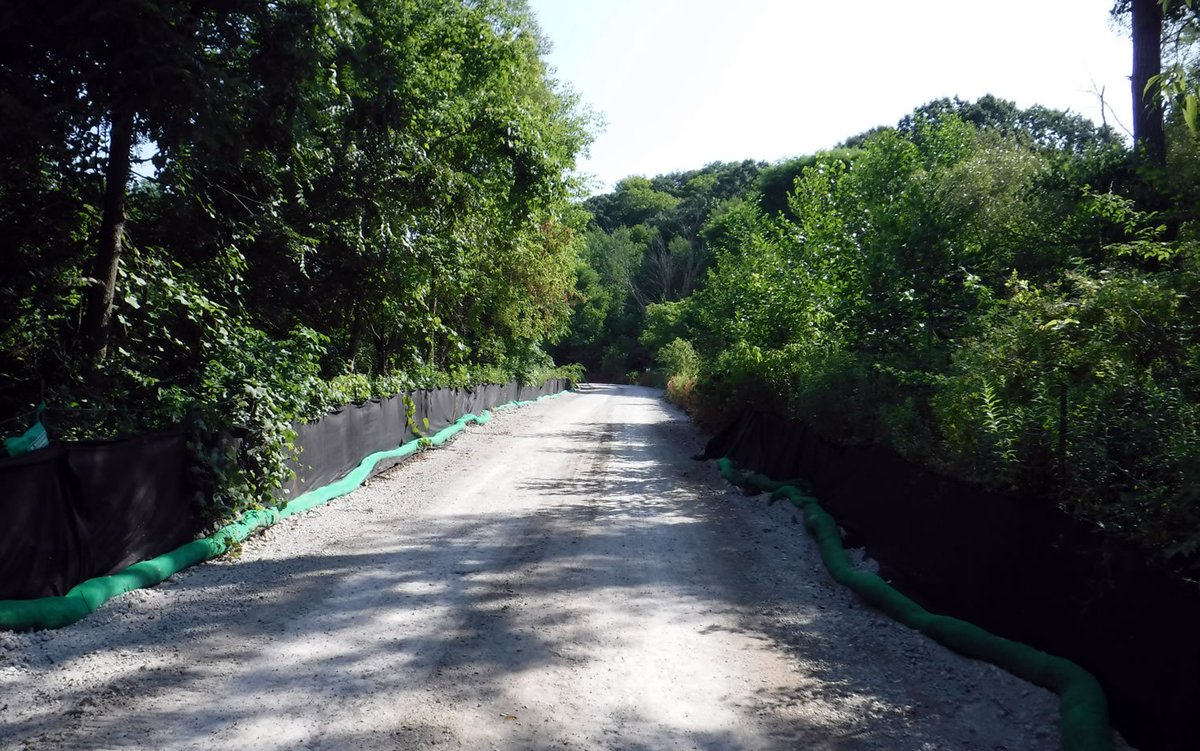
x: 563, y: 577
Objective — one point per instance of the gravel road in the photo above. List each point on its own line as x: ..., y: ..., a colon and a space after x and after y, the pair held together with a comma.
x: 562, y: 577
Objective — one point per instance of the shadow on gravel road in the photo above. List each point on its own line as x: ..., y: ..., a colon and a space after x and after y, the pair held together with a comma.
x: 640, y: 518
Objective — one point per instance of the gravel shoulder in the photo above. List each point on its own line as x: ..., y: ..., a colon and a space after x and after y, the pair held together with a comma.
x: 564, y: 576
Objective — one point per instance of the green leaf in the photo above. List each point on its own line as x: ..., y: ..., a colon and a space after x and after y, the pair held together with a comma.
x: 1191, y: 112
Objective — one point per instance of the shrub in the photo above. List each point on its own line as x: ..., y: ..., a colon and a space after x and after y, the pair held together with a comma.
x: 681, y: 390
x: 1083, y: 389
x: 679, y: 358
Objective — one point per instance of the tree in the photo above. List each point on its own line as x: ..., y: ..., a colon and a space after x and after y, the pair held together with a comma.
x: 1155, y: 82
x: 1146, y: 20
x: 138, y: 71
x: 635, y: 201
x: 1040, y: 126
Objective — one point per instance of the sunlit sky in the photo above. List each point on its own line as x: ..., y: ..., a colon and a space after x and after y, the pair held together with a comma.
x: 681, y: 83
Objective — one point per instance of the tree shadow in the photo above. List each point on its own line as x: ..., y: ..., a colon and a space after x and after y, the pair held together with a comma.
x: 463, y: 603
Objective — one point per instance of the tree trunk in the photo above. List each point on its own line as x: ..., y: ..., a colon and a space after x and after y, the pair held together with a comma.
x: 356, y: 334
x: 1062, y: 436
x: 382, y: 354
x: 433, y: 334
x: 99, y: 299
x: 1148, y: 136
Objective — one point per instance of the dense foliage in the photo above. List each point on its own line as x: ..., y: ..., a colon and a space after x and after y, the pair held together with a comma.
x: 644, y: 247
x: 299, y: 204
x: 1000, y: 294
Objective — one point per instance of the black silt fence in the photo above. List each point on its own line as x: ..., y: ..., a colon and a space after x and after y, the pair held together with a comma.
x: 1016, y: 566
x: 332, y: 446
x: 78, y: 510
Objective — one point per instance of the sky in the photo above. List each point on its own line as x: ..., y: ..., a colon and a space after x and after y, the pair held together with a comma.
x: 681, y: 83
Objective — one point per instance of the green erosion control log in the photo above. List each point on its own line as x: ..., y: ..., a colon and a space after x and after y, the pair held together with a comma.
x: 85, y: 598
x: 1083, y: 709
